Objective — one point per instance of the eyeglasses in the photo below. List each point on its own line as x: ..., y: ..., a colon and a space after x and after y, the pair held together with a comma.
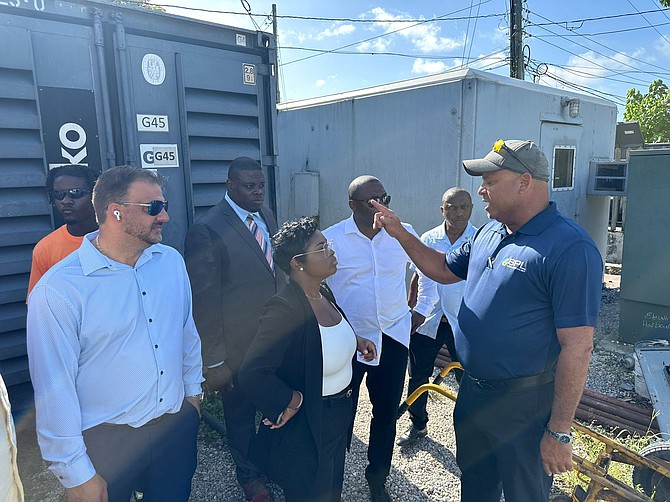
x: 384, y: 200
x: 73, y: 193
x: 500, y: 145
x: 327, y: 246
x: 153, y: 208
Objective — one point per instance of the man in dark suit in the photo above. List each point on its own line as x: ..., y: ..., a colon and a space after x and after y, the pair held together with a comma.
x: 229, y: 261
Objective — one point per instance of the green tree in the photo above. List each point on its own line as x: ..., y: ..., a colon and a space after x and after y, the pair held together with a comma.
x: 666, y: 3
x: 651, y: 110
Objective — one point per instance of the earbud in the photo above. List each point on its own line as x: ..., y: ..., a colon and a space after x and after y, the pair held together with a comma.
x: 117, y: 213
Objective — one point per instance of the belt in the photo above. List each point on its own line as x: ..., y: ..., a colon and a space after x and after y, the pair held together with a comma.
x: 340, y: 395
x: 150, y: 423
x: 514, y: 384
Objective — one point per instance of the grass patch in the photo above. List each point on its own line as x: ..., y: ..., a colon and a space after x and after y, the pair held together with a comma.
x: 590, y: 448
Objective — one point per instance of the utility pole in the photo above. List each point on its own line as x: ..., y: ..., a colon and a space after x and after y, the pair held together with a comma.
x: 274, y: 32
x: 516, y: 39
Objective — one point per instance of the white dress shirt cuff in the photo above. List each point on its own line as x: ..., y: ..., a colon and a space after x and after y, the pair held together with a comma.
x: 75, y: 473
x: 192, y: 389
x: 423, y: 308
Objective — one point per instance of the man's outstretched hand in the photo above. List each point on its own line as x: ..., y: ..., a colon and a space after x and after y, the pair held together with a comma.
x: 387, y: 219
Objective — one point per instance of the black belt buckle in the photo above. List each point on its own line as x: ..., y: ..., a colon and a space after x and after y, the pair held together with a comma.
x: 485, y: 385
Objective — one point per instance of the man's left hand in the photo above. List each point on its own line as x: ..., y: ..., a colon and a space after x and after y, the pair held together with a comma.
x: 417, y: 320
x: 195, y: 401
x: 556, y: 457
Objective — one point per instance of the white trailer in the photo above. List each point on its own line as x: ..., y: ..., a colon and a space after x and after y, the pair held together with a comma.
x: 414, y: 134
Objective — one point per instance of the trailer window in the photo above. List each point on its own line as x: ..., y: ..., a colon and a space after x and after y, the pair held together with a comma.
x: 563, y: 170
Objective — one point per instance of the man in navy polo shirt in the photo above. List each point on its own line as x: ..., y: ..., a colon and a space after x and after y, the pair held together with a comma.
x: 525, y: 327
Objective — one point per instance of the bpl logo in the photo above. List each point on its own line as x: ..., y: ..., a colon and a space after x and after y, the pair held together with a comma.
x: 73, y: 137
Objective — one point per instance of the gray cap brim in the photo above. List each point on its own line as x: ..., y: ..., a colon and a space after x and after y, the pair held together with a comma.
x: 477, y: 167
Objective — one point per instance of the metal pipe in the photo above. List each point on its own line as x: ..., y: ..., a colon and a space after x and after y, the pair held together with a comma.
x: 590, y: 415
x: 126, y: 107
x: 99, y: 41
x: 212, y: 421
x: 635, y: 416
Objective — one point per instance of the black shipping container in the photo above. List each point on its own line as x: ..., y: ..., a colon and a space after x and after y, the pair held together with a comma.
x: 102, y: 84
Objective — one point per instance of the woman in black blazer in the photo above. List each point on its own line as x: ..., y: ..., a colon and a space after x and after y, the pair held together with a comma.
x: 298, y: 371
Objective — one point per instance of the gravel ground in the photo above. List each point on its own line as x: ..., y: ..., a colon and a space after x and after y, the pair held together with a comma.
x: 425, y: 471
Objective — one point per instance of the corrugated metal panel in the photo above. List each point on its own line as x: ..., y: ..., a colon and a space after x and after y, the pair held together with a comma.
x: 24, y: 210
x: 222, y: 117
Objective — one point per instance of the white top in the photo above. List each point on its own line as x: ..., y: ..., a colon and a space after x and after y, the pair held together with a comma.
x: 451, y: 295
x: 338, y: 344
x: 370, y: 286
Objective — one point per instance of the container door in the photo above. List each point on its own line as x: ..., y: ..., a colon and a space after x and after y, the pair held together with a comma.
x: 47, y: 117
x: 560, y: 144
x: 192, y: 113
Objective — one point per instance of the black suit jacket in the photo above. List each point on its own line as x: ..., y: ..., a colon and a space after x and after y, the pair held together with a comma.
x: 285, y: 356
x: 231, y: 281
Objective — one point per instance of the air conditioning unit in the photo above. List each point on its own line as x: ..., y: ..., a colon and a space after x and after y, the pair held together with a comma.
x: 607, y: 178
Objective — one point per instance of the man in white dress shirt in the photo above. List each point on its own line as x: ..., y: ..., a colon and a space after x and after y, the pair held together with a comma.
x: 456, y: 208
x: 114, y: 353
x: 369, y: 285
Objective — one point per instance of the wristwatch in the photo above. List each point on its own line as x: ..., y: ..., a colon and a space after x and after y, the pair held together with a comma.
x: 561, y: 437
x: 199, y: 397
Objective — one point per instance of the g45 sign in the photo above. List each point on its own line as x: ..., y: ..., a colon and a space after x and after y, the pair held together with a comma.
x: 162, y: 155
x: 70, y: 127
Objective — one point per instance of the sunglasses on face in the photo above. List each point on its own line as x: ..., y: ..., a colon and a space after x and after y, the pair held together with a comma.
x: 72, y: 193
x: 327, y: 246
x: 153, y: 208
x: 384, y: 200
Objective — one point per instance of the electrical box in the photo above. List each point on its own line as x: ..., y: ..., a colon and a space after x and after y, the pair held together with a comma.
x: 645, y: 275
x: 305, y: 194
x: 607, y: 178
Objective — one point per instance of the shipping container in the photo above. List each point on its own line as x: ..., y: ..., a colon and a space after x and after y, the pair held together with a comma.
x: 100, y: 84
x: 413, y: 135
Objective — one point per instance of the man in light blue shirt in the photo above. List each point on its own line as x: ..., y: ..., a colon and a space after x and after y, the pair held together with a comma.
x: 426, y: 341
x: 114, y: 353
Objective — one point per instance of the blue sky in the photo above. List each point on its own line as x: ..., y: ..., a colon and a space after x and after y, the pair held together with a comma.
x: 579, y: 45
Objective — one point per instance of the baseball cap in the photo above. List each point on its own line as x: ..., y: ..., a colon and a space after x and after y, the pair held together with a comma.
x: 519, y: 156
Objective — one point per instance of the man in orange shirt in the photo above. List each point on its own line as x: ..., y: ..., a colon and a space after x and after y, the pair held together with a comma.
x: 69, y: 188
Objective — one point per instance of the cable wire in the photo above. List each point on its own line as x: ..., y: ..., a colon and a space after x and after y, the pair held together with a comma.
x: 378, y: 36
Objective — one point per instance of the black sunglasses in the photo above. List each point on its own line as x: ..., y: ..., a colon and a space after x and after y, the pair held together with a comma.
x: 384, y: 200
x: 73, y: 193
x: 153, y: 208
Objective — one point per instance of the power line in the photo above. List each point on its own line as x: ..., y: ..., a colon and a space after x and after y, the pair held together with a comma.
x: 368, y: 53
x: 317, y: 18
x: 594, y: 51
x: 654, y: 27
x: 600, y: 18
x: 610, y: 32
x: 378, y: 36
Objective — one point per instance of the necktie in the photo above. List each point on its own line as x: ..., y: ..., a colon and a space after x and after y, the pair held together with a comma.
x: 258, y: 235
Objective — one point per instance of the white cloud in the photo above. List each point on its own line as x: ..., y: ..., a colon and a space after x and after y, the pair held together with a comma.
x: 377, y: 45
x: 427, y: 66
x: 592, y: 70
x: 320, y: 83
x: 336, y: 30
x: 426, y: 37
x: 662, y: 45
